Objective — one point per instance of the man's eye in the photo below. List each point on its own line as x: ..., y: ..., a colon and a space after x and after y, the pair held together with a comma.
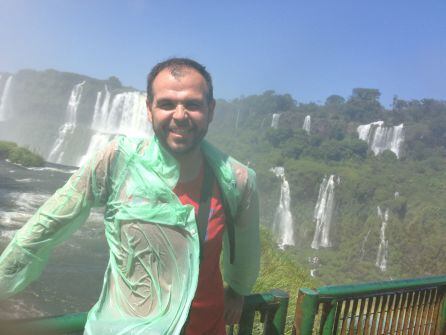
x: 193, y: 105
x: 166, y: 105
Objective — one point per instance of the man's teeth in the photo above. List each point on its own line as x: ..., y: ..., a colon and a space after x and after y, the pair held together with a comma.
x: 180, y: 131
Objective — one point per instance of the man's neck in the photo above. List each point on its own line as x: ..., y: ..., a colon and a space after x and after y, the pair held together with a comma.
x: 190, y: 165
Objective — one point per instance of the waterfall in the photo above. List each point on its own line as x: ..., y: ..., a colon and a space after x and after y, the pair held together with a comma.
x: 275, y: 121
x: 4, y: 99
x: 382, y: 138
x: 381, y: 257
x: 237, y: 118
x: 307, y: 124
x: 283, y: 220
x: 101, y: 111
x: 127, y: 115
x: 67, y: 129
x: 363, y: 244
x: 323, y: 213
x: 97, y: 110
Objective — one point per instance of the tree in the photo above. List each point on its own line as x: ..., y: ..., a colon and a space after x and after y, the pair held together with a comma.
x: 366, y: 94
x: 334, y: 100
x: 114, y: 82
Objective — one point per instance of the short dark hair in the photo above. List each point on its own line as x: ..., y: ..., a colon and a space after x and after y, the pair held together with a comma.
x: 177, y: 64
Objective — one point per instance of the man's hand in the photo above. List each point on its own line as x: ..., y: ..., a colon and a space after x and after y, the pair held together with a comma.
x: 233, y: 306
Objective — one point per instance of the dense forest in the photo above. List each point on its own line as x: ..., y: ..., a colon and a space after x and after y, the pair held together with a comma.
x: 407, y: 190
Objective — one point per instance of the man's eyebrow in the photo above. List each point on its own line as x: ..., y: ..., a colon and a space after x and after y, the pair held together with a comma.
x: 164, y: 100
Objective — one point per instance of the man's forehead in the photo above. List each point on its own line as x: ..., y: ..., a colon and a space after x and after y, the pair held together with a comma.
x: 178, y: 76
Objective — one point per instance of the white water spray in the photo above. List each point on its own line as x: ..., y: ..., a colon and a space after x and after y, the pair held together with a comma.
x: 275, y: 121
x: 323, y: 213
x: 381, y: 258
x: 283, y: 220
x: 381, y: 138
x: 4, y: 99
x: 68, y: 127
x: 307, y: 124
x: 127, y: 115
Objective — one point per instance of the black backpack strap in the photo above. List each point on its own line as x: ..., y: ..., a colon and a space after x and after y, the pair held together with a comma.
x: 229, y: 223
x: 204, y: 209
x: 205, y: 205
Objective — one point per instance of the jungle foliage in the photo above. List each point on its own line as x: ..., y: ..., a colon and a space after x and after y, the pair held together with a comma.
x: 19, y: 155
x: 412, y: 188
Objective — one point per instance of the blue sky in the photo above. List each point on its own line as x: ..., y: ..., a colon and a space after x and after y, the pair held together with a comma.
x: 310, y: 49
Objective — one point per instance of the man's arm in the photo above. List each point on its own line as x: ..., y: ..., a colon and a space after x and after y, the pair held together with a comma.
x: 26, y: 255
x: 242, y: 274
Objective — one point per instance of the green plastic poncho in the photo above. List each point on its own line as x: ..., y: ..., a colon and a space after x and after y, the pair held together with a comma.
x: 153, y: 266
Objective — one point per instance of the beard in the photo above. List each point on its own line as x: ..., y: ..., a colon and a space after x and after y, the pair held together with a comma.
x: 177, y: 145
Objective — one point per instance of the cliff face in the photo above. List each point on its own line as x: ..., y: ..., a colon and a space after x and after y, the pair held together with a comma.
x: 62, y: 116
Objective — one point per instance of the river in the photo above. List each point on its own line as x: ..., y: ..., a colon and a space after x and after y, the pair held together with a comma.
x: 72, y: 280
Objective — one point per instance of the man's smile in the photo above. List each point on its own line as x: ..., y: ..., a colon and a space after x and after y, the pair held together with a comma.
x: 180, y: 131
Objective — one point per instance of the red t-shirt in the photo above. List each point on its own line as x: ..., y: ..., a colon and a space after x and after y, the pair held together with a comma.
x: 206, y: 313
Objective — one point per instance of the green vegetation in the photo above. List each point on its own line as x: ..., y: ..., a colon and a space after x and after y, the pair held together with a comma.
x: 278, y: 270
x: 412, y: 188
x: 18, y: 155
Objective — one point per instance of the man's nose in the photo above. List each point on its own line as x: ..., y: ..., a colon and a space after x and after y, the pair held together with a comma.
x: 180, y: 113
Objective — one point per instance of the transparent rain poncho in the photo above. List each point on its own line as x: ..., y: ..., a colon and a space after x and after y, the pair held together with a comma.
x: 153, y: 267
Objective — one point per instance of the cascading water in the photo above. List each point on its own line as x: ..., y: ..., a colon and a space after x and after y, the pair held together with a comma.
x: 381, y: 258
x: 323, y: 213
x: 275, y: 121
x: 363, y: 244
x: 57, y: 152
x: 382, y: 138
x: 283, y: 220
x: 4, y: 99
x: 127, y: 115
x: 101, y: 111
x: 307, y: 124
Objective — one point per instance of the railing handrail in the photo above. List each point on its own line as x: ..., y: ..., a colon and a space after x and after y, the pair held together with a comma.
x: 274, y: 304
x: 334, y: 303
x: 379, y: 286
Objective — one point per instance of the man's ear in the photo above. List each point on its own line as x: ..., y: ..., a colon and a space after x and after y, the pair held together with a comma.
x: 211, y: 110
x: 149, y: 110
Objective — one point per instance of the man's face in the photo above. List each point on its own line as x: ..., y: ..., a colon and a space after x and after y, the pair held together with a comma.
x: 180, y: 112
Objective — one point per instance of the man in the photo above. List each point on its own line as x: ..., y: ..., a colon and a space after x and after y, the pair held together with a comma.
x: 171, y: 202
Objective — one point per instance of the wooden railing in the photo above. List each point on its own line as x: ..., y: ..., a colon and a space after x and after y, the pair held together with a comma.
x: 415, y: 307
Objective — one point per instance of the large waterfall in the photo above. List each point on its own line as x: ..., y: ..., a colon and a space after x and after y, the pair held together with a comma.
x: 381, y: 257
x: 127, y: 115
x: 323, y: 213
x: 283, y: 220
x: 67, y: 117
x: 4, y: 99
x: 382, y: 138
x: 67, y: 129
x: 275, y: 121
x: 307, y: 124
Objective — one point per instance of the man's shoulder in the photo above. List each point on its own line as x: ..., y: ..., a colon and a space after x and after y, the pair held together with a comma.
x: 211, y: 151
x: 242, y: 172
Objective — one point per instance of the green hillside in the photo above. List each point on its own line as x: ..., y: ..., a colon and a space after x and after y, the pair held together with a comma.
x: 412, y: 188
